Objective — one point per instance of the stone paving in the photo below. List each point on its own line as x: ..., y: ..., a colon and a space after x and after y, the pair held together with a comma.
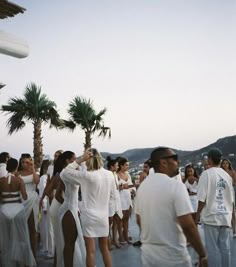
x: 128, y: 255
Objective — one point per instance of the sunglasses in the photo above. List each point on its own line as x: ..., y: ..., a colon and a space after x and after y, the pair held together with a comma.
x: 174, y: 157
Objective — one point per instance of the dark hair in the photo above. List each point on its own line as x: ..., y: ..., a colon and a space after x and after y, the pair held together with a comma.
x: 23, y: 156
x: 215, y: 155
x: 4, y: 156
x: 230, y: 164
x: 12, y: 164
x: 44, y: 167
x: 121, y: 162
x: 60, y: 163
x: 188, y: 166
x: 148, y: 162
x: 156, y: 155
x: 111, y: 162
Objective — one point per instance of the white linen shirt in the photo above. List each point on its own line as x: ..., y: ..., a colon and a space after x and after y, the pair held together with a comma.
x: 98, y: 187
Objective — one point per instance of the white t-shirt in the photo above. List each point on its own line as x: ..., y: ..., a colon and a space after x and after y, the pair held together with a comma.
x: 216, y: 190
x: 159, y: 201
x: 178, y: 177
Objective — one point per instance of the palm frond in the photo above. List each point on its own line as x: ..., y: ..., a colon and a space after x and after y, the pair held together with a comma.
x: 69, y: 124
x: 105, y: 131
x: 82, y: 112
x: 15, y: 124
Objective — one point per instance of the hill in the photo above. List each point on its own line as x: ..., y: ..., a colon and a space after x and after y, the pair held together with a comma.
x: 138, y: 155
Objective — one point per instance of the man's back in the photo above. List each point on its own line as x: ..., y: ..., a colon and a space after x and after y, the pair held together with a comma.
x: 166, y: 199
x: 216, y: 190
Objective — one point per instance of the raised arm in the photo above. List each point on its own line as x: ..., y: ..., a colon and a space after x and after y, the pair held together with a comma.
x: 71, y: 173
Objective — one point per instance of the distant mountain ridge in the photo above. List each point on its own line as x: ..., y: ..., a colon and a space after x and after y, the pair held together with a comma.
x: 138, y: 155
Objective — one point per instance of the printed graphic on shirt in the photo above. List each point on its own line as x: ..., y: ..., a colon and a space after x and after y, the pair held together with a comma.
x: 220, y: 187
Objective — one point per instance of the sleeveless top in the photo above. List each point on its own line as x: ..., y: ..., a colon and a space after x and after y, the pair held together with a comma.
x: 10, y: 197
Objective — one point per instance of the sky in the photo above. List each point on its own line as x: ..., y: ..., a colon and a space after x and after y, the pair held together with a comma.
x: 165, y: 70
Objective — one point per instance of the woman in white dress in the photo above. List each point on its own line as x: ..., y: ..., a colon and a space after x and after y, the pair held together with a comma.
x: 50, y: 192
x: 70, y: 247
x: 191, y: 182
x: 125, y: 183
x: 43, y: 224
x: 98, y: 188
x: 115, y: 210
x: 28, y: 174
x: 14, y: 236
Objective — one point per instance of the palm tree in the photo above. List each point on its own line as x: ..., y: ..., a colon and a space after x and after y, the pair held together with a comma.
x: 83, y: 114
x: 36, y: 108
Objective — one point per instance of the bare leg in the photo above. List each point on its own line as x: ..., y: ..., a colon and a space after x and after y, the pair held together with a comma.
x: 126, y: 225
x: 32, y: 233
x: 90, y: 251
x: 120, y: 229
x: 70, y: 235
x: 114, y: 230
x: 109, y: 236
x: 105, y: 251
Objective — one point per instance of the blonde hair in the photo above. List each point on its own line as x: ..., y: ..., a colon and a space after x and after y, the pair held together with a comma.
x: 95, y: 162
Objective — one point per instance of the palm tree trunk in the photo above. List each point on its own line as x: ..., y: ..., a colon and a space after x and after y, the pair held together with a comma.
x: 88, y: 140
x: 38, y: 145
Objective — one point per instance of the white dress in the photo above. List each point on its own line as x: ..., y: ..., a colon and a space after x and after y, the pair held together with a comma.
x: 115, y: 204
x: 32, y: 201
x: 70, y: 203
x: 193, y: 198
x: 43, y: 225
x: 98, y: 187
x: 125, y: 194
x: 14, y: 236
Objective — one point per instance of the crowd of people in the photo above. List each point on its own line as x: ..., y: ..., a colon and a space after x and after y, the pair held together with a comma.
x: 70, y: 201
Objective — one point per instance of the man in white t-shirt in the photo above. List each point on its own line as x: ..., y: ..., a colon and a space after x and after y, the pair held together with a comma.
x: 163, y: 212
x: 216, y: 204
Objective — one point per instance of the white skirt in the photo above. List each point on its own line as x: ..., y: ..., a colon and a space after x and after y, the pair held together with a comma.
x: 125, y: 198
x: 115, y: 206
x: 79, y: 257
x: 14, y: 236
x: 32, y: 204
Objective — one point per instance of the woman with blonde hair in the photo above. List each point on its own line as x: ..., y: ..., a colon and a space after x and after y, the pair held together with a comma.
x: 98, y: 188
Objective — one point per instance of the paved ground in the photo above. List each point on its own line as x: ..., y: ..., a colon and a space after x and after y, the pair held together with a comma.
x: 127, y: 256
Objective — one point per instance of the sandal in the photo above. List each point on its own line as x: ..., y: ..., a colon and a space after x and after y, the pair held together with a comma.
x: 116, y: 245
x: 137, y: 243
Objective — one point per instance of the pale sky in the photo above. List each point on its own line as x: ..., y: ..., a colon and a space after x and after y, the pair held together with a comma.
x: 165, y: 70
